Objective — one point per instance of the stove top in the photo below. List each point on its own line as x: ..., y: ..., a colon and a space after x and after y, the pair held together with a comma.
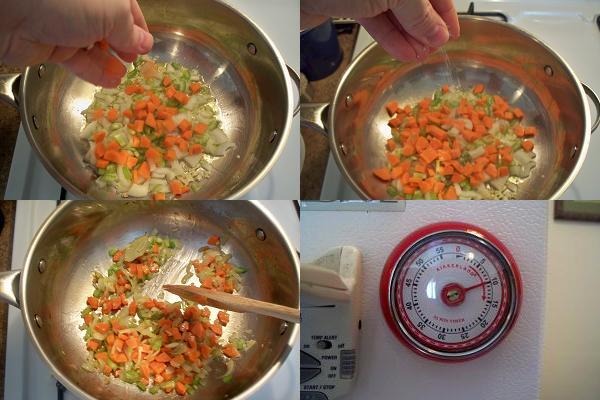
x: 571, y: 28
x: 28, y: 179
x: 23, y: 364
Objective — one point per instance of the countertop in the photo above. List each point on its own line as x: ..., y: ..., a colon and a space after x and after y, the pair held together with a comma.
x: 317, y: 144
x: 8, y: 209
x: 9, y: 127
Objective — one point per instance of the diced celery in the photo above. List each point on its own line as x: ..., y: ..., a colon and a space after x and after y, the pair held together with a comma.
x: 127, y: 173
x: 153, y: 390
x: 418, y: 195
x: 392, y: 191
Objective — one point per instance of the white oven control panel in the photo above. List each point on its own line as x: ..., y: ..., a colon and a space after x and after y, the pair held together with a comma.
x: 330, y: 306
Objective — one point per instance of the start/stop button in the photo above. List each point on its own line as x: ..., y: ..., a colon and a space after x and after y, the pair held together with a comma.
x: 324, y: 344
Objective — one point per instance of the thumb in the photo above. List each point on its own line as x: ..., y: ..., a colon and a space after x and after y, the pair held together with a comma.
x: 421, y: 21
x: 126, y: 37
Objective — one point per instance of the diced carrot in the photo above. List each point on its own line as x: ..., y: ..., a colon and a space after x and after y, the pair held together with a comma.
x: 170, y: 155
x: 195, y: 149
x: 145, y: 142
x: 181, y: 97
x: 383, y: 174
x: 408, y: 150
x: 99, y: 150
x: 101, y: 356
x: 530, y: 131
x: 527, y: 145
x: 230, y: 351
x: 131, y: 161
x: 436, y: 132
x: 116, y: 157
x: 391, y: 145
x: 138, y: 125
x: 478, y: 89
x: 163, y: 357
x: 428, y: 155
x: 195, y: 87
x: 491, y: 170
x: 113, y: 145
x: 169, y: 125
x: 170, y: 92
x: 457, y: 178
x: 391, y: 107
x: 223, y: 317
x: 200, y: 128
x: 144, y: 170
x: 157, y: 367
x: 180, y: 388
x: 128, y: 113
x: 177, y: 188
x: 421, y: 144
x: 112, y: 114
x: 131, y: 89
x: 153, y: 154
x: 392, y: 159
x: 445, y: 89
x: 426, y: 186
x: 92, y: 302
x: 451, y: 194
x: 518, y: 113
x: 166, y: 81
x: 159, y: 196
x: 132, y: 309
x: 100, y: 163
x: 503, y: 171
x: 98, y: 114
x: 184, y: 125
x: 102, y: 327
x: 170, y: 141
x: 99, y: 136
x: 150, y: 121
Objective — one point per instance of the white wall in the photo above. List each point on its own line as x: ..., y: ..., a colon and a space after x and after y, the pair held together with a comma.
x: 571, y: 356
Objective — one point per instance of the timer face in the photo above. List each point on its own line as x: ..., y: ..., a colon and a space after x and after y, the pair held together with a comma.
x: 451, y: 294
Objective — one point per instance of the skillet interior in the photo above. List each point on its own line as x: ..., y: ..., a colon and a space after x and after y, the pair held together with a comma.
x: 509, y: 62
x: 251, y: 90
x: 75, y: 244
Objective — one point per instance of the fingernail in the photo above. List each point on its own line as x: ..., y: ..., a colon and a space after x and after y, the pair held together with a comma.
x: 438, y: 36
x: 145, y: 42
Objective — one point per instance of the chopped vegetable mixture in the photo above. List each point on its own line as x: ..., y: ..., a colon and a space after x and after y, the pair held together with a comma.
x: 457, y: 145
x: 155, y: 133
x: 154, y: 344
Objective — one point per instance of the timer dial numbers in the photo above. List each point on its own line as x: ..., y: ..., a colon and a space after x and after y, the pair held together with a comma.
x: 453, y: 295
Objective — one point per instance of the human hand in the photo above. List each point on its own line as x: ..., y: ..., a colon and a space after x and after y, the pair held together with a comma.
x: 69, y: 31
x: 407, y: 29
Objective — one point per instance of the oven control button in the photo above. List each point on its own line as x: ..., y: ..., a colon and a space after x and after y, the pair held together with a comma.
x: 312, y: 396
x: 306, y: 374
x: 306, y: 360
x: 324, y: 344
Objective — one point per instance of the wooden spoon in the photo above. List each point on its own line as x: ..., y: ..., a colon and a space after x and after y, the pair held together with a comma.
x: 231, y: 302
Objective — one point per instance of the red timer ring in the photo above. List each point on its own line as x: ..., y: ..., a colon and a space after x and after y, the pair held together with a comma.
x: 450, y: 291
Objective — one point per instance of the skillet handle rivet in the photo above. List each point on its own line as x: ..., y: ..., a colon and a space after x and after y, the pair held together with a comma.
x: 574, y: 151
x: 343, y: 149
x: 348, y: 100
x: 41, y: 70
x: 34, y: 120
x: 548, y: 70
x: 260, y: 234
x: 273, y: 136
x: 283, y: 327
x: 251, y: 48
x: 42, y: 266
x: 38, y: 321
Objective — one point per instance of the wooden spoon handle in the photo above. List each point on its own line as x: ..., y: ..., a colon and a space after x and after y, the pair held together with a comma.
x: 233, y: 302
